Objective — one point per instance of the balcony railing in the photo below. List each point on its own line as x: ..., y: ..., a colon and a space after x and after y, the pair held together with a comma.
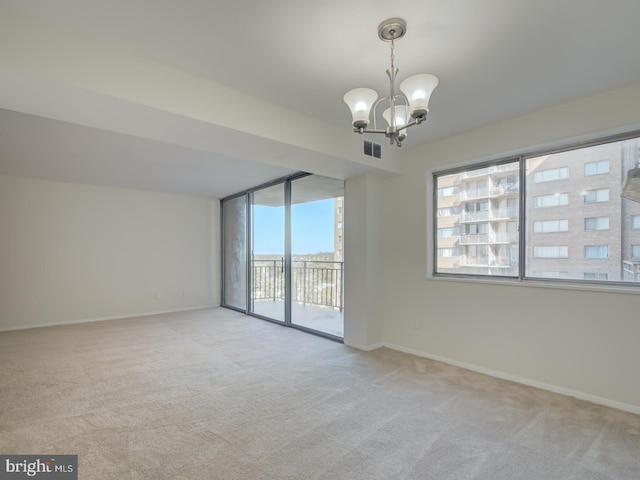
x: 489, y: 170
x: 476, y: 216
x: 479, y: 172
x: 485, y: 270
x: 495, y: 191
x: 475, y: 238
x: 500, y: 213
x: 505, y: 238
x: 488, y: 261
x: 493, y: 237
x: 631, y: 270
x: 313, y: 282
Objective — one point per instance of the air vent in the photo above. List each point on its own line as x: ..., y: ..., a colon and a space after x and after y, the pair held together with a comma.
x: 372, y: 149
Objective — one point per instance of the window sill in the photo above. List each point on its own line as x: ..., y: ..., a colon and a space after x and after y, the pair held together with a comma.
x: 568, y: 285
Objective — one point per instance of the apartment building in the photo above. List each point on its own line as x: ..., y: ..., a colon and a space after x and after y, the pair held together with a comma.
x: 577, y: 226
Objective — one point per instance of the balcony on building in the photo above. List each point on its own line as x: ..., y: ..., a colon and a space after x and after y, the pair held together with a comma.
x: 491, y: 192
x: 497, y: 214
x: 631, y: 270
x: 481, y: 172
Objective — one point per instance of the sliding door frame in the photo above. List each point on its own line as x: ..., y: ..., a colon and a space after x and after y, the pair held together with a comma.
x: 288, y: 262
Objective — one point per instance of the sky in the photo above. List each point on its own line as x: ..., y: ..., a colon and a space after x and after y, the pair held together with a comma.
x: 312, y: 228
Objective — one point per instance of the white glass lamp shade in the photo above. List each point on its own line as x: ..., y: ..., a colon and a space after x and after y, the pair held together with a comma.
x: 401, y: 118
x: 360, y: 101
x: 401, y: 115
x: 418, y: 90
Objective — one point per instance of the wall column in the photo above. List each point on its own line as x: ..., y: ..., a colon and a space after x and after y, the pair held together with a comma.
x: 363, y: 302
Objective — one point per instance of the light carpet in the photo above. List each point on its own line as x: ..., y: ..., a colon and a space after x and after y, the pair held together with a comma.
x: 214, y: 394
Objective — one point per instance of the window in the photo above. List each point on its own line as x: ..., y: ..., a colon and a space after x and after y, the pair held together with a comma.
x: 448, y: 191
x: 596, y: 251
x: 476, y: 206
x: 476, y: 228
x: 596, y: 223
x: 448, y: 211
x: 596, y: 168
x: 561, y: 251
x: 597, y: 196
x: 551, y: 175
x: 448, y: 232
x: 546, y: 226
x: 559, y: 225
x: 553, y: 200
x: 339, y: 225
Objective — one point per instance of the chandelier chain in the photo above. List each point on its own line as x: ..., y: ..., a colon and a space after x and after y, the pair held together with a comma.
x: 392, y: 57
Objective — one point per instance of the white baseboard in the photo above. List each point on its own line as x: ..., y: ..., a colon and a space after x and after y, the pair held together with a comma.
x: 102, y: 319
x: 366, y: 348
x: 627, y: 407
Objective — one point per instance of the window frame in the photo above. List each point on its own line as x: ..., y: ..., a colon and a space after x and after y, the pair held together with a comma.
x: 595, y: 191
x: 537, y: 176
x: 597, y: 162
x: 552, y: 195
x: 521, y: 279
x: 557, y: 221
x: 597, y: 249
x: 563, y: 251
x: 595, y: 219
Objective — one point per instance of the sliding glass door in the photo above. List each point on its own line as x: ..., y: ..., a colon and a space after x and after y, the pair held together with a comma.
x: 234, y: 247
x: 267, y: 267
x: 283, y: 257
x: 317, y: 234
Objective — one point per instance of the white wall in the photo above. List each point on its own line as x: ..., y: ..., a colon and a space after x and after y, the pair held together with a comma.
x: 362, y: 250
x: 579, y: 342
x: 70, y: 253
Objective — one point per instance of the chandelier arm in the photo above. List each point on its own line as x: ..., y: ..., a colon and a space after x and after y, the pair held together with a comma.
x: 369, y: 130
x: 410, y: 124
x: 374, y: 109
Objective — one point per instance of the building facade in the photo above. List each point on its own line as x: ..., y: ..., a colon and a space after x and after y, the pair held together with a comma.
x: 577, y: 226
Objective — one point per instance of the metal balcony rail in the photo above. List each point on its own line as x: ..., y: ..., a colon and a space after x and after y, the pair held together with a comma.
x: 490, y: 192
x: 489, y: 170
x: 475, y: 173
x: 489, y: 215
x: 488, y: 261
x: 476, y: 216
x: 631, y: 270
x: 313, y: 282
x: 476, y: 238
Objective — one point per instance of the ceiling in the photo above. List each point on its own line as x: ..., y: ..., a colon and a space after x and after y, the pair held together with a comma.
x: 496, y: 59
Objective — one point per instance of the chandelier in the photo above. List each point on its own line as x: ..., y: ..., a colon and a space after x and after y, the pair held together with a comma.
x: 406, y: 108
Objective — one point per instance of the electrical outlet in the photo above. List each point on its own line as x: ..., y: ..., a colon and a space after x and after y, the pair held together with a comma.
x: 156, y: 296
x: 414, y: 323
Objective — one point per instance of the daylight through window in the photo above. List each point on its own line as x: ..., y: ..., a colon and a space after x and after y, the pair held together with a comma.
x: 573, y: 224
